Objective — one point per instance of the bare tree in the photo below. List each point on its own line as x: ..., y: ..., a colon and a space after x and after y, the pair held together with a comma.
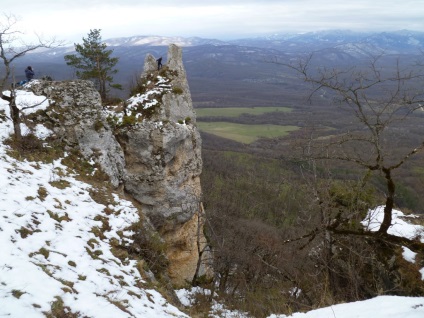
x: 11, y: 48
x: 380, y: 100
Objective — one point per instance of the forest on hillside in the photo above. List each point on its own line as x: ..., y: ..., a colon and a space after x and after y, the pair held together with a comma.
x: 284, y: 214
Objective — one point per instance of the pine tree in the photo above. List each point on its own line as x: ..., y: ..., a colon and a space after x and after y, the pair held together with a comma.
x: 94, y: 62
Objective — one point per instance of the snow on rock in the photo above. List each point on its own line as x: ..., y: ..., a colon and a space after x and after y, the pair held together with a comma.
x: 402, y: 225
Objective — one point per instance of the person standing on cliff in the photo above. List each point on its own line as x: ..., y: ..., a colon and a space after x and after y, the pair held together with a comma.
x: 159, y: 60
x: 29, y: 73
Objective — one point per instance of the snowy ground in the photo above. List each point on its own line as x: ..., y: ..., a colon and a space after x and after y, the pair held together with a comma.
x: 379, y: 307
x: 51, y: 256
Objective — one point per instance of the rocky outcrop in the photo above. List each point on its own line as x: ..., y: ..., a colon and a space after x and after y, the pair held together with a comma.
x: 177, y: 106
x: 76, y: 116
x: 163, y: 166
x: 151, y: 146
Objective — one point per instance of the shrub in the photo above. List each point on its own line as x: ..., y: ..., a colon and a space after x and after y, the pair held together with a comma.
x: 42, y: 193
x: 28, y: 143
x: 58, y: 309
x: 110, y: 101
x: 47, y: 78
x: 17, y: 293
x: 98, y: 125
x: 177, y: 90
x: 33, y: 149
x: 72, y: 263
x: 150, y: 247
x: 60, y: 184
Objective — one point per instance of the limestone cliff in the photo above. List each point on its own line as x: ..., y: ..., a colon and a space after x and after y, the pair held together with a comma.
x: 150, y: 147
x: 163, y: 162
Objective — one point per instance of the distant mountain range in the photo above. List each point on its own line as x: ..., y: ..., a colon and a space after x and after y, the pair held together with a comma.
x: 243, y: 71
x: 397, y: 42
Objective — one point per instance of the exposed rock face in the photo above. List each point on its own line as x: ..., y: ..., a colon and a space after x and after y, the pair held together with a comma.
x: 163, y: 166
x: 155, y: 151
x: 79, y: 120
x: 175, y: 106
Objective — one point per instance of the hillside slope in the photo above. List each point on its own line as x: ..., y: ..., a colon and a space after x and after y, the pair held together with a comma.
x: 59, y: 247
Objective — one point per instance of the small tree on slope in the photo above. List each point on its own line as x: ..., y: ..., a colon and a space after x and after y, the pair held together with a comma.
x: 94, y: 62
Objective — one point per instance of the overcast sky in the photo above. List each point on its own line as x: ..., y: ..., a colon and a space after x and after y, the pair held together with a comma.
x: 71, y: 20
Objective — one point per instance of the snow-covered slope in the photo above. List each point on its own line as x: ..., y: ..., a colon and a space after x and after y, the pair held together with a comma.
x: 52, y: 258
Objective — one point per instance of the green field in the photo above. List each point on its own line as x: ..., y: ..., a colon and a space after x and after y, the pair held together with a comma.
x: 237, y: 111
x: 245, y: 133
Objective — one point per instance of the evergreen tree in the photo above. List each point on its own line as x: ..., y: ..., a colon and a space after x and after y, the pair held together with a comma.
x: 94, y: 62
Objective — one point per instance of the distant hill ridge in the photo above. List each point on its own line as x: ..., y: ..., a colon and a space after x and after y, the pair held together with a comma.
x: 214, y: 66
x: 156, y: 40
x: 398, y: 41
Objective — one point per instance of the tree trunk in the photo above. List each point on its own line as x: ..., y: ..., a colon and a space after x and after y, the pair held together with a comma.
x: 200, y: 249
x: 388, y: 208
x: 223, y: 279
x: 16, y: 120
x: 15, y: 115
x: 104, y: 91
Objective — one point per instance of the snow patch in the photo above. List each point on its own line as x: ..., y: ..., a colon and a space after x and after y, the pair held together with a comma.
x: 379, y: 307
x: 400, y: 226
x: 408, y: 255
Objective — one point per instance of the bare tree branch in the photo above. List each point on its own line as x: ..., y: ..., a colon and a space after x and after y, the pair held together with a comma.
x: 355, y: 89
